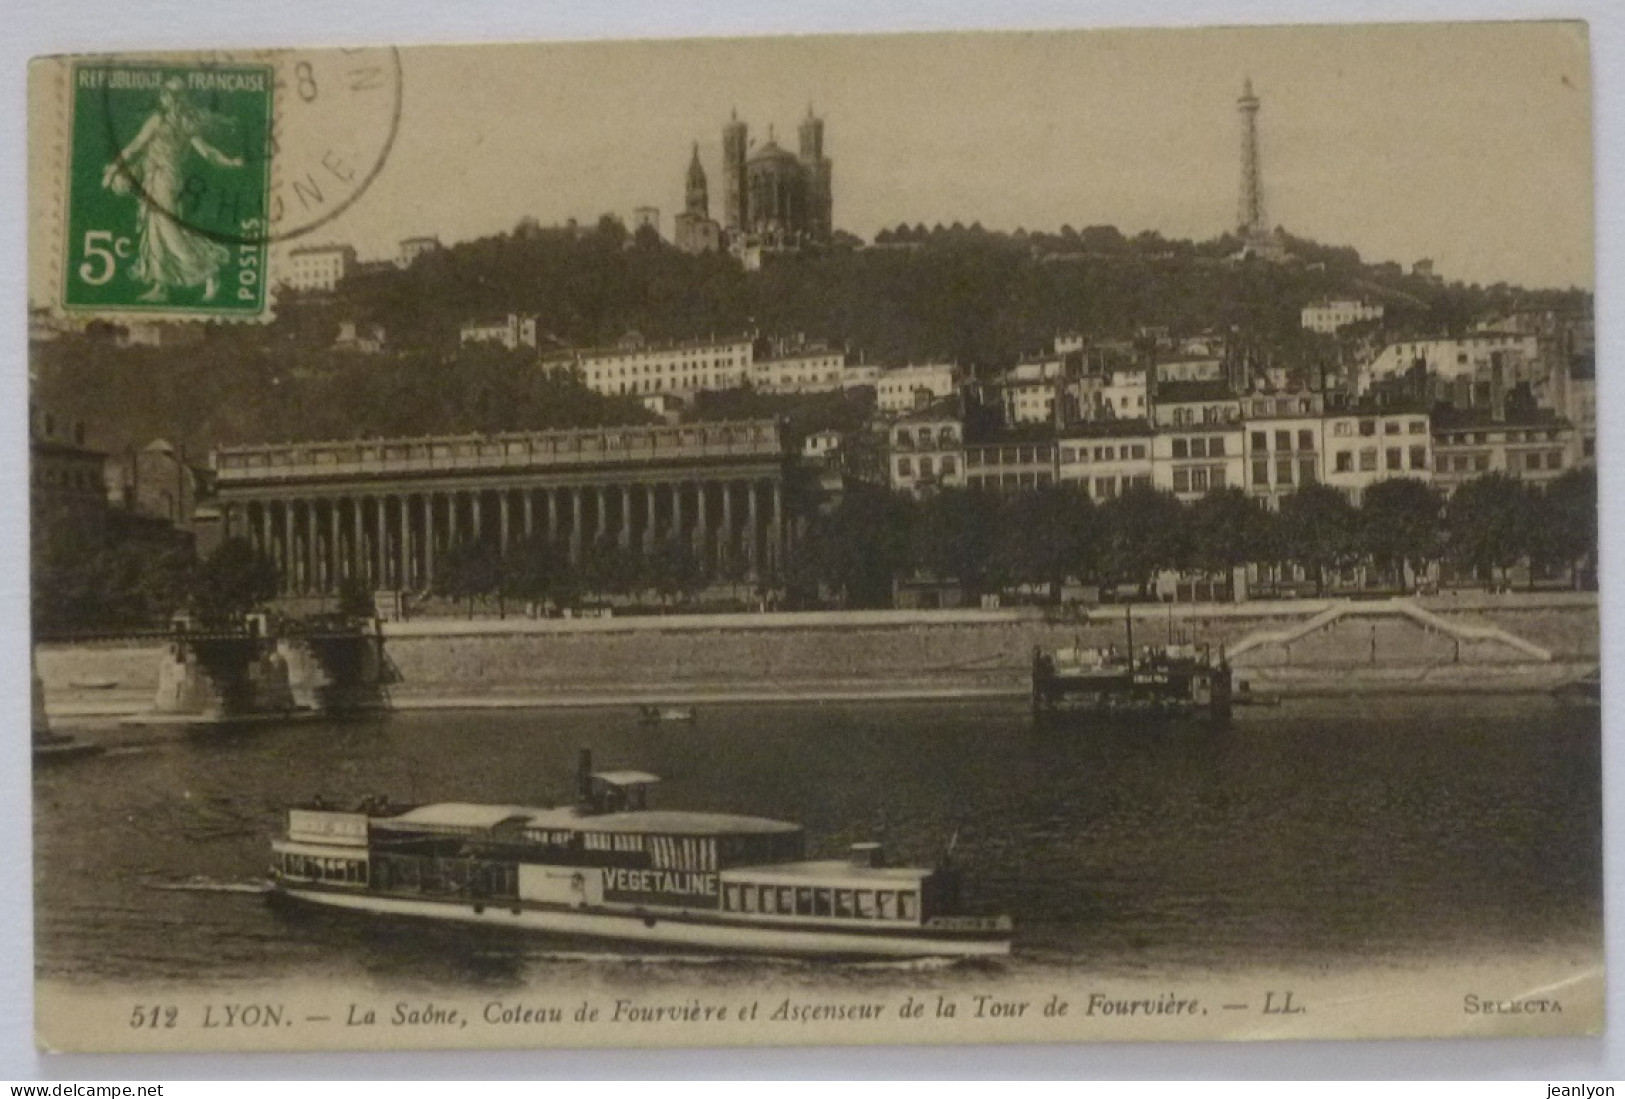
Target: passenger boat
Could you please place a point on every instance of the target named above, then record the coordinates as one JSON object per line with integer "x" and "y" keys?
{"x": 1158, "y": 681}
{"x": 609, "y": 867}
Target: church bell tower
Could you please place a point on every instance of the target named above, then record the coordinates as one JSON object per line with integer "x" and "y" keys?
{"x": 698, "y": 199}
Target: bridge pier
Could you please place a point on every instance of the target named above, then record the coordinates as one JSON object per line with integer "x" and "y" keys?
{"x": 230, "y": 675}
{"x": 223, "y": 678}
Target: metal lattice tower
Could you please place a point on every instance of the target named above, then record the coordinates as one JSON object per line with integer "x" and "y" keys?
{"x": 1250, "y": 218}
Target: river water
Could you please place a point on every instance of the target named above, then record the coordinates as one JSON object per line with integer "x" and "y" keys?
{"x": 1320, "y": 833}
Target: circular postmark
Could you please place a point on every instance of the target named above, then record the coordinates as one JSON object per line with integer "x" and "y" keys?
{"x": 251, "y": 148}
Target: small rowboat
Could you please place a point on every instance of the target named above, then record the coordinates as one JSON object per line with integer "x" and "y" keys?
{"x": 650, "y": 715}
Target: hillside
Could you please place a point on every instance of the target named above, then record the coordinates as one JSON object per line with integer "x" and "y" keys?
{"x": 959, "y": 294}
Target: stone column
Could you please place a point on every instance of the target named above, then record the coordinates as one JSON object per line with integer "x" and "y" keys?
{"x": 265, "y": 530}
{"x": 227, "y": 514}
{"x": 601, "y": 527}
{"x": 428, "y": 538}
{"x": 725, "y": 544}
{"x": 649, "y": 516}
{"x": 530, "y": 514}
{"x": 676, "y": 510}
{"x": 330, "y": 558}
{"x": 406, "y": 541}
{"x": 575, "y": 525}
{"x": 290, "y": 559}
{"x": 752, "y": 545}
{"x": 474, "y": 503}
{"x": 381, "y": 550}
{"x": 358, "y": 541}
{"x": 302, "y": 538}
{"x": 775, "y": 546}
{"x": 451, "y": 519}
{"x": 553, "y": 513}
{"x": 701, "y": 535}
{"x": 502, "y": 521}
{"x": 313, "y": 550}
{"x": 626, "y": 518}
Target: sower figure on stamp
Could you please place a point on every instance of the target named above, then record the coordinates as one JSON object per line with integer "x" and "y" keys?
{"x": 169, "y": 254}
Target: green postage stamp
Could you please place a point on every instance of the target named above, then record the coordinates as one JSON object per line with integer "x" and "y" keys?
{"x": 168, "y": 188}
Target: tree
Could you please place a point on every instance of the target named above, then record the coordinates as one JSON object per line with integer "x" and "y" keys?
{"x": 1569, "y": 527}
{"x": 470, "y": 569}
{"x": 234, "y": 580}
{"x": 673, "y": 569}
{"x": 864, "y": 545}
{"x": 608, "y": 568}
{"x": 1226, "y": 531}
{"x": 538, "y": 570}
{"x": 355, "y": 601}
{"x": 1400, "y": 525}
{"x": 1047, "y": 535}
{"x": 647, "y": 237}
{"x": 957, "y": 538}
{"x": 1490, "y": 523}
{"x": 1142, "y": 532}
{"x": 1317, "y": 528}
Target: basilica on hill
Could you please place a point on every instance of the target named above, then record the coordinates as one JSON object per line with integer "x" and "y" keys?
{"x": 772, "y": 199}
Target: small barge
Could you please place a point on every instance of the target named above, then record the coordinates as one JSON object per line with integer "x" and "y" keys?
{"x": 1157, "y": 681}
{"x": 609, "y": 867}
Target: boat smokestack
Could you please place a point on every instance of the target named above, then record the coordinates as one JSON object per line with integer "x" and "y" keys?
{"x": 584, "y": 776}
{"x": 867, "y": 854}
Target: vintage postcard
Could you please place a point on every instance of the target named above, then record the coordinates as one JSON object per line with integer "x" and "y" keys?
{"x": 955, "y": 538}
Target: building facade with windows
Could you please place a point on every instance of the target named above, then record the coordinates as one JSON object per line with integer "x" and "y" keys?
{"x": 514, "y": 331}
{"x": 414, "y": 248}
{"x": 906, "y": 387}
{"x": 1282, "y": 443}
{"x": 635, "y": 367}
{"x": 319, "y": 268}
{"x": 927, "y": 451}
{"x": 1361, "y": 448}
{"x": 1012, "y": 461}
{"x": 1122, "y": 395}
{"x": 1470, "y": 443}
{"x": 1194, "y": 460}
{"x": 1105, "y": 459}
{"x": 1328, "y": 316}
{"x": 1197, "y": 446}
{"x": 1190, "y": 368}
{"x": 1029, "y": 402}
{"x": 804, "y": 370}
{"x": 1469, "y": 356}
{"x": 1180, "y": 405}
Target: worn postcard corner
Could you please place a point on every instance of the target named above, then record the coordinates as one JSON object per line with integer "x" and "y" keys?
{"x": 816, "y": 541}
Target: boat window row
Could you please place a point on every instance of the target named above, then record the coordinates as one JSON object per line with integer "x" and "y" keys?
{"x": 803, "y": 900}
{"x": 549, "y": 837}
{"x": 664, "y": 852}
{"x": 322, "y": 868}
{"x": 749, "y": 849}
{"x": 460, "y": 877}
{"x": 682, "y": 853}
{"x": 612, "y": 841}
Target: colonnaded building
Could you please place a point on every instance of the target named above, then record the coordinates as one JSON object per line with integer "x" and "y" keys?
{"x": 386, "y": 510}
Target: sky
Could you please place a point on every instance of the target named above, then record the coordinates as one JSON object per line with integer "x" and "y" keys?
{"x": 1470, "y": 144}
{"x": 1466, "y": 143}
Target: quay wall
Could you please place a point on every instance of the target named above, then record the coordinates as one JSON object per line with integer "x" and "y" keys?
{"x": 520, "y": 661}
